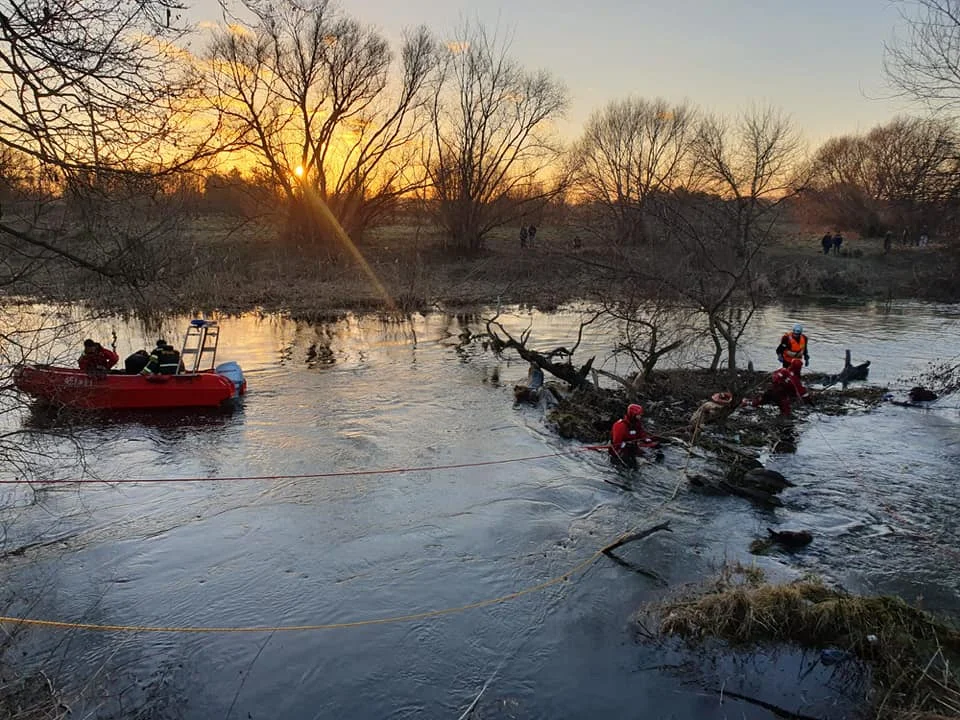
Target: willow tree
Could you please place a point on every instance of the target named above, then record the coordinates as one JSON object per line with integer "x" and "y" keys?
{"x": 632, "y": 152}
{"x": 494, "y": 153}
{"x": 326, "y": 107}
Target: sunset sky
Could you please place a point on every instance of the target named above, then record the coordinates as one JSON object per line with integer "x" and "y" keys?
{"x": 819, "y": 60}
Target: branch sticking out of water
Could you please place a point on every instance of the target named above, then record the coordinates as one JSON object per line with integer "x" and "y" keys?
{"x": 636, "y": 536}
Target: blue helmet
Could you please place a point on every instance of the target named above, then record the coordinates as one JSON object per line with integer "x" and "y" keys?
{"x": 798, "y": 328}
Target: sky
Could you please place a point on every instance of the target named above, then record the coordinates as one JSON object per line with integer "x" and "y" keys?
{"x": 821, "y": 61}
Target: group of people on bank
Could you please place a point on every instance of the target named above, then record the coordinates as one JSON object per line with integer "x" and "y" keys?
{"x": 163, "y": 360}
{"x": 629, "y": 440}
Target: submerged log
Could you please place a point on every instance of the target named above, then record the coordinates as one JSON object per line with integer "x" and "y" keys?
{"x": 921, "y": 394}
{"x": 850, "y": 372}
{"x": 791, "y": 538}
{"x": 765, "y": 480}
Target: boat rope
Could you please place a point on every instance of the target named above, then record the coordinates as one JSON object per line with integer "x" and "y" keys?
{"x": 308, "y": 476}
{"x": 576, "y": 570}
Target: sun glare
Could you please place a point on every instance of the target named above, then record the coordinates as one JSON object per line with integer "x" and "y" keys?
{"x": 298, "y": 171}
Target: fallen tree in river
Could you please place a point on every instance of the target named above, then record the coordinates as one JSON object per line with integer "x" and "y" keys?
{"x": 549, "y": 361}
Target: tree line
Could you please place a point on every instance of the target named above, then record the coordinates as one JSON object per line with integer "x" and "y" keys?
{"x": 318, "y": 107}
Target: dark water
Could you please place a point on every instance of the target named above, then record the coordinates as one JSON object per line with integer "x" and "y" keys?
{"x": 877, "y": 489}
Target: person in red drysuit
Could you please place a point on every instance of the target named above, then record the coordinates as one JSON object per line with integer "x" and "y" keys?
{"x": 627, "y": 437}
{"x": 785, "y": 387}
{"x": 96, "y": 358}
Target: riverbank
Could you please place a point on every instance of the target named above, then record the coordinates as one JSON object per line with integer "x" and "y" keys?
{"x": 220, "y": 265}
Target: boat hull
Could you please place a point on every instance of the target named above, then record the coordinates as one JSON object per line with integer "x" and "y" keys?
{"x": 116, "y": 391}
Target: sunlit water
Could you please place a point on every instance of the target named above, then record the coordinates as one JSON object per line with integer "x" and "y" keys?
{"x": 877, "y": 489}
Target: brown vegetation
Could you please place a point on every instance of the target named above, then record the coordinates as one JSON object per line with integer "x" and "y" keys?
{"x": 913, "y": 656}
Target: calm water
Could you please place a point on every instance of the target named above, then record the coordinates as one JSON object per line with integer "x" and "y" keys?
{"x": 877, "y": 489}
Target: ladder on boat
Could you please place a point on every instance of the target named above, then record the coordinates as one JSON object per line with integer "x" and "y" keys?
{"x": 199, "y": 351}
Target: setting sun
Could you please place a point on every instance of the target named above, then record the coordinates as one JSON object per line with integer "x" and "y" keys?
{"x": 298, "y": 171}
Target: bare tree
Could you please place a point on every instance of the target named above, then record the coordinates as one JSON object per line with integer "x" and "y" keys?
{"x": 650, "y": 324}
{"x": 325, "y": 107}
{"x": 632, "y": 151}
{"x": 748, "y": 168}
{"x": 95, "y": 100}
{"x": 904, "y": 172}
{"x": 493, "y": 146}
{"x": 925, "y": 63}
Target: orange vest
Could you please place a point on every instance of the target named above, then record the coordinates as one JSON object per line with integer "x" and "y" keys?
{"x": 794, "y": 347}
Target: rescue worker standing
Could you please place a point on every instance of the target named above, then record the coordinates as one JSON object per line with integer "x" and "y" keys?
{"x": 96, "y": 358}
{"x": 793, "y": 345}
{"x": 785, "y": 387}
{"x": 627, "y": 436}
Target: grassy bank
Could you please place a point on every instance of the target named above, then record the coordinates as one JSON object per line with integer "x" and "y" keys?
{"x": 223, "y": 264}
{"x": 912, "y": 655}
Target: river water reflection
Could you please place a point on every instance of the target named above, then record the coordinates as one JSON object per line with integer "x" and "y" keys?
{"x": 348, "y": 548}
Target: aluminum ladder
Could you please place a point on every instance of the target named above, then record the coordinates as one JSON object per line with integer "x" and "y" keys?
{"x": 199, "y": 345}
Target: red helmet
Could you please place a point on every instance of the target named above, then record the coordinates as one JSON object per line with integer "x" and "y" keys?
{"x": 634, "y": 410}
{"x": 796, "y": 364}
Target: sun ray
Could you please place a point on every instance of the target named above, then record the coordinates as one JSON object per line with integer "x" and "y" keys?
{"x": 317, "y": 203}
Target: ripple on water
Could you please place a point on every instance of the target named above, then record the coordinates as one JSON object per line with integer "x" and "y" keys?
{"x": 876, "y": 489}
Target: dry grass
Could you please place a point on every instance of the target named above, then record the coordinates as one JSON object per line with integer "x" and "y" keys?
{"x": 913, "y": 656}
{"x": 29, "y": 698}
{"x": 235, "y": 264}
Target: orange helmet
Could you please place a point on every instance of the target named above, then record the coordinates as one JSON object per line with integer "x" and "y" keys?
{"x": 634, "y": 410}
{"x": 796, "y": 364}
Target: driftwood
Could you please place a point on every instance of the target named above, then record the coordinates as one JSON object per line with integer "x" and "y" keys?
{"x": 632, "y": 537}
{"x": 576, "y": 377}
{"x": 850, "y": 372}
{"x": 775, "y": 709}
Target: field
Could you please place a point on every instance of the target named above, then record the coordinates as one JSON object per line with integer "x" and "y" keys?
{"x": 224, "y": 264}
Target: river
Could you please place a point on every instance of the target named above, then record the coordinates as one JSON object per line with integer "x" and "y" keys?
{"x": 877, "y": 489}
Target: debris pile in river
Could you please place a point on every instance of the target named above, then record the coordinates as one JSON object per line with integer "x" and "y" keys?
{"x": 914, "y": 658}
{"x": 734, "y": 440}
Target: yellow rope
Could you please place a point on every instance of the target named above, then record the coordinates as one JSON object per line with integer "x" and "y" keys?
{"x": 427, "y": 614}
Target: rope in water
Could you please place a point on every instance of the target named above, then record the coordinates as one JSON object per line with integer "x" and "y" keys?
{"x": 577, "y": 569}
{"x": 307, "y": 476}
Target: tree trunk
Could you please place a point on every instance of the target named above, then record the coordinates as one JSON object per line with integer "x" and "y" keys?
{"x": 717, "y": 346}
{"x": 731, "y": 354}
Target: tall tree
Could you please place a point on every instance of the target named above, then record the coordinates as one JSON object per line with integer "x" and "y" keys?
{"x": 93, "y": 102}
{"x": 631, "y": 152}
{"x": 747, "y": 169}
{"x": 904, "y": 172}
{"x": 325, "y": 107}
{"x": 494, "y": 154}
{"x": 924, "y": 62}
